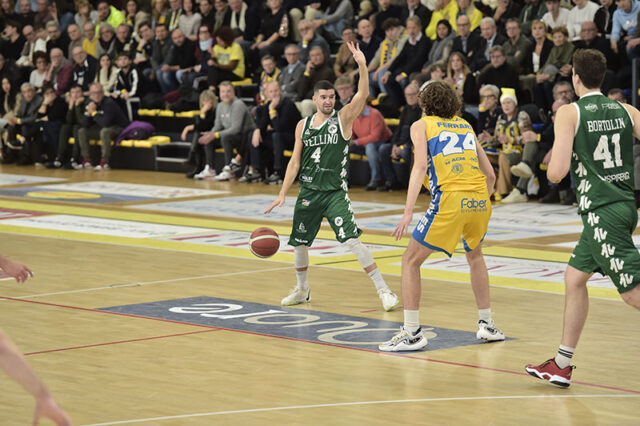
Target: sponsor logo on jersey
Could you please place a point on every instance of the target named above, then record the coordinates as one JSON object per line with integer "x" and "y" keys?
{"x": 611, "y": 106}
{"x": 591, "y": 107}
{"x": 332, "y": 128}
{"x": 306, "y": 202}
{"x": 305, "y": 178}
{"x": 302, "y": 228}
{"x": 456, "y": 169}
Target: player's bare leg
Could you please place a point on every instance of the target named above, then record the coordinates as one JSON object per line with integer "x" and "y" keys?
{"x": 632, "y": 297}
{"x": 480, "y": 285}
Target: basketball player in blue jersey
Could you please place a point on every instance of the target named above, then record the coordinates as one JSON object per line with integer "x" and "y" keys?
{"x": 321, "y": 154}
{"x": 461, "y": 180}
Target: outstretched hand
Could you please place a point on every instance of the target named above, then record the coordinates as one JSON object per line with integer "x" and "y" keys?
{"x": 17, "y": 270}
{"x": 46, "y": 407}
{"x": 277, "y": 203}
{"x": 403, "y": 226}
{"x": 358, "y": 56}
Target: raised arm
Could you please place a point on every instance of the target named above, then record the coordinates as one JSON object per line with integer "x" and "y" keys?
{"x": 353, "y": 109}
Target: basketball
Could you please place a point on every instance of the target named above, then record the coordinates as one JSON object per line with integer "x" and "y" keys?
{"x": 264, "y": 242}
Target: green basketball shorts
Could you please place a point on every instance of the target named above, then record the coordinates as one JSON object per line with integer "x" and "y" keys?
{"x": 312, "y": 206}
{"x": 606, "y": 246}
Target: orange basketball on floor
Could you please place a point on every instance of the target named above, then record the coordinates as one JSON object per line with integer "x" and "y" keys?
{"x": 264, "y": 242}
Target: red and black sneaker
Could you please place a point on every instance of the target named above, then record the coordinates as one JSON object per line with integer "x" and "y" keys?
{"x": 550, "y": 371}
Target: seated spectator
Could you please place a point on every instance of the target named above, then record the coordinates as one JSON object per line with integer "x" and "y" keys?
{"x": 25, "y": 15}
{"x": 435, "y": 72}
{"x": 390, "y": 47}
{"x": 103, "y": 120}
{"x": 274, "y": 31}
{"x": 108, "y": 14}
{"x": 84, "y": 14}
{"x": 466, "y": 41}
{"x": 181, "y": 59}
{"x": 460, "y": 77}
{"x": 345, "y": 90}
{"x": 556, "y": 16}
{"x": 43, "y": 14}
{"x": 344, "y": 63}
{"x": 465, "y": 8}
{"x": 60, "y": 71}
{"x": 499, "y": 72}
{"x": 546, "y": 143}
{"x": 51, "y": 115}
{"x": 204, "y": 167}
{"x": 316, "y": 70}
{"x": 222, "y": 15}
{"x": 625, "y": 21}
{"x": 399, "y": 150}
{"x": 13, "y": 42}
{"x": 127, "y": 82}
{"x": 506, "y": 10}
{"x": 291, "y": 74}
{"x": 173, "y": 15}
{"x": 533, "y": 10}
{"x": 518, "y": 147}
{"x": 584, "y": 10}
{"x": 161, "y": 49}
{"x": 244, "y": 22}
{"x": 409, "y": 60}
{"x": 368, "y": 41}
{"x": 10, "y": 99}
{"x": 134, "y": 17}
{"x": 604, "y": 16}
{"x": 310, "y": 38}
{"x": 443, "y": 9}
{"x": 617, "y": 95}
{"x": 441, "y": 47}
{"x": 337, "y": 16}
{"x": 370, "y": 132}
{"x": 386, "y": 10}
{"x": 558, "y": 65}
{"x": 75, "y": 39}
{"x": 190, "y": 20}
{"x": 124, "y": 42}
{"x": 107, "y": 74}
{"x": 106, "y": 42}
{"x": 90, "y": 41}
{"x": 160, "y": 12}
{"x": 25, "y": 137}
{"x": 73, "y": 117}
{"x": 8, "y": 10}
{"x": 227, "y": 61}
{"x": 490, "y": 38}
{"x": 517, "y": 48}
{"x": 144, "y": 49}
{"x": 415, "y": 8}
{"x": 56, "y": 38}
{"x": 489, "y": 111}
{"x": 33, "y": 44}
{"x": 85, "y": 68}
{"x": 39, "y": 74}
{"x": 589, "y": 39}
{"x": 276, "y": 123}
{"x": 232, "y": 129}
{"x": 270, "y": 72}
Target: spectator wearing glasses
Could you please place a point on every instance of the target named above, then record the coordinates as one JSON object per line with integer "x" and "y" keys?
{"x": 291, "y": 74}
{"x": 466, "y": 42}
{"x": 499, "y": 72}
{"x": 345, "y": 90}
{"x": 487, "y": 117}
{"x": 33, "y": 44}
{"x": 85, "y": 68}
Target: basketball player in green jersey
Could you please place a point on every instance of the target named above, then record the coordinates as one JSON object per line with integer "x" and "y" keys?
{"x": 320, "y": 154}
{"x": 594, "y": 139}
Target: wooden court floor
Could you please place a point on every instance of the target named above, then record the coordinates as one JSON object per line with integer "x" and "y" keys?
{"x": 152, "y": 358}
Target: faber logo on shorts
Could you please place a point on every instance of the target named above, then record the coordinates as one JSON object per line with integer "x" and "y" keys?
{"x": 473, "y": 205}
{"x": 290, "y": 323}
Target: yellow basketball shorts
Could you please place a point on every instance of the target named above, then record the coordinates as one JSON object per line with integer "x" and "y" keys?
{"x": 452, "y": 215}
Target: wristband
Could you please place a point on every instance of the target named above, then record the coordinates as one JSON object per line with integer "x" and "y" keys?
{"x": 538, "y": 138}
{"x": 404, "y": 74}
{"x": 93, "y": 114}
{"x": 306, "y": 74}
{"x": 19, "y": 120}
{"x": 217, "y": 135}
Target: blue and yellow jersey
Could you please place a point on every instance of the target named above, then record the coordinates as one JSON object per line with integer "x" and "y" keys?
{"x": 452, "y": 163}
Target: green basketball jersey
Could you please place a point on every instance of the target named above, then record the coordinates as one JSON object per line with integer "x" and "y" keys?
{"x": 602, "y": 159}
{"x": 324, "y": 155}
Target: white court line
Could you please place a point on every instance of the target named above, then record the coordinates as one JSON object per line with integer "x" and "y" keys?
{"x": 345, "y": 404}
{"x": 228, "y": 274}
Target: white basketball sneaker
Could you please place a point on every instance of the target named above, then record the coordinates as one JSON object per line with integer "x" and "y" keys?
{"x": 489, "y": 332}
{"x": 297, "y": 296}
{"x": 388, "y": 298}
{"x": 405, "y": 341}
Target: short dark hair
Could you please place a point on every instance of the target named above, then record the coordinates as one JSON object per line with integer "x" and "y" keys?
{"x": 391, "y": 23}
{"x": 323, "y": 85}
{"x": 40, "y": 55}
{"x": 13, "y": 23}
{"x": 590, "y": 65}
{"x": 47, "y": 86}
{"x": 144, "y": 24}
{"x": 438, "y": 98}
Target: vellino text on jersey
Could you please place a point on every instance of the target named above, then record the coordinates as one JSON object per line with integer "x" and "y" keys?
{"x": 323, "y": 139}
{"x": 605, "y": 125}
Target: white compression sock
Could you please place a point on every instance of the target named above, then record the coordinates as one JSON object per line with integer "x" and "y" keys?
{"x": 411, "y": 320}
{"x": 377, "y": 279}
{"x": 485, "y": 315}
{"x": 301, "y": 260}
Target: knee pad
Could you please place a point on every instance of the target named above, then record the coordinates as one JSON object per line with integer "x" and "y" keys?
{"x": 362, "y": 253}
{"x": 301, "y": 256}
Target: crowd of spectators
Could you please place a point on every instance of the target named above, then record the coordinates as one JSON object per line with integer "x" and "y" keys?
{"x": 74, "y": 69}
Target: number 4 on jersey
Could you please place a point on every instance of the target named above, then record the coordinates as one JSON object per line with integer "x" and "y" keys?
{"x": 316, "y": 155}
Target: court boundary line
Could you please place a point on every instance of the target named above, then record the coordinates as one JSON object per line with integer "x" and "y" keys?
{"x": 357, "y": 403}
{"x": 255, "y": 333}
{"x": 119, "y": 342}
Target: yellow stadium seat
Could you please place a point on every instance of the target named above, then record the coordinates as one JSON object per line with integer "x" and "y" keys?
{"x": 392, "y": 121}
{"x": 245, "y": 82}
{"x": 187, "y": 114}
